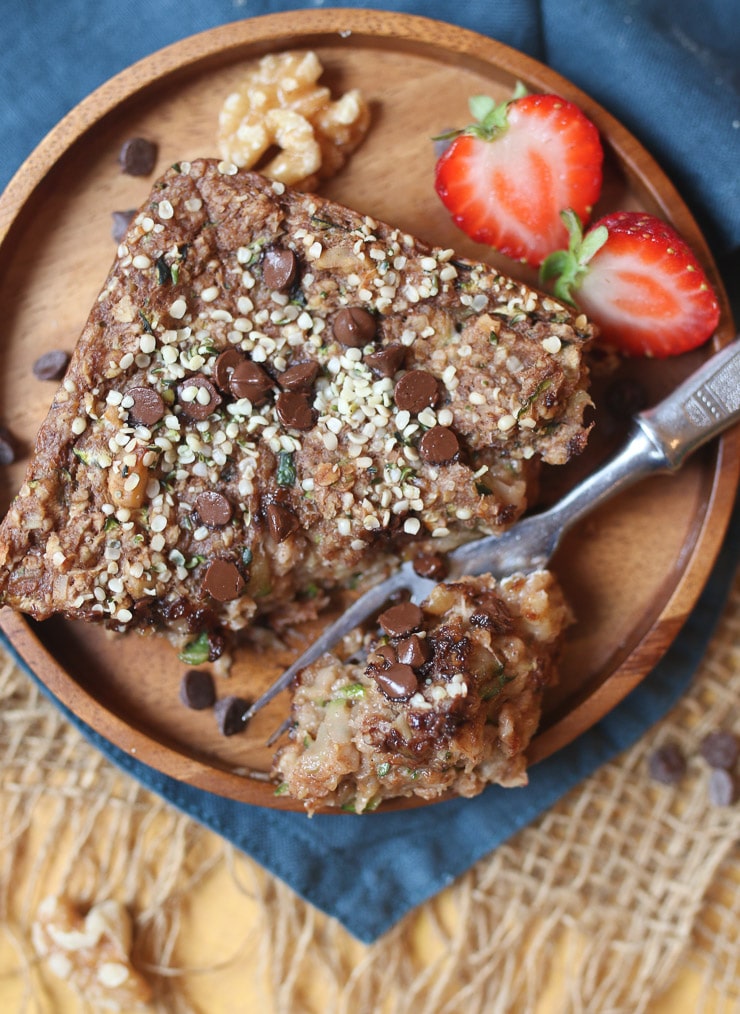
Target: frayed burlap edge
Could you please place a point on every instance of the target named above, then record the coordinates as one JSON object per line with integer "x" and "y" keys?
{"x": 623, "y": 883}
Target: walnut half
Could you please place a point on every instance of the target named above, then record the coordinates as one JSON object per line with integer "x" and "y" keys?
{"x": 91, "y": 952}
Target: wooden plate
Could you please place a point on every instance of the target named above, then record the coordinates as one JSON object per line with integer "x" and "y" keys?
{"x": 632, "y": 572}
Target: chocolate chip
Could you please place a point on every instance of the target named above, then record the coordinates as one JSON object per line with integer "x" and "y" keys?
{"x": 667, "y": 764}
{"x": 148, "y": 407}
{"x": 720, "y": 749}
{"x": 625, "y": 397}
{"x": 279, "y": 268}
{"x": 213, "y": 508}
{"x": 281, "y": 521}
{"x": 230, "y": 714}
{"x": 137, "y": 156}
{"x": 386, "y": 654}
{"x": 401, "y": 620}
{"x": 7, "y": 447}
{"x": 722, "y": 787}
{"x": 414, "y": 651}
{"x": 223, "y": 581}
{"x": 387, "y": 361}
{"x": 355, "y": 327}
{"x": 249, "y": 380}
{"x": 224, "y": 366}
{"x": 431, "y": 566}
{"x": 197, "y": 690}
{"x": 439, "y": 445}
{"x": 415, "y": 391}
{"x": 51, "y": 365}
{"x": 197, "y": 407}
{"x": 397, "y": 682}
{"x": 300, "y": 377}
{"x": 294, "y": 410}
{"x": 120, "y": 224}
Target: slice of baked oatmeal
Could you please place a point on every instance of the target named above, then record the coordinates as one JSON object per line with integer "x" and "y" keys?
{"x": 445, "y": 701}
{"x": 273, "y": 393}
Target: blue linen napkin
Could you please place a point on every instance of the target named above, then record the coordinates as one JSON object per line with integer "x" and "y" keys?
{"x": 670, "y": 72}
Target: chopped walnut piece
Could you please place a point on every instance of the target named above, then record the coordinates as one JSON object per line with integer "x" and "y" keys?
{"x": 127, "y": 481}
{"x": 279, "y": 104}
{"x": 91, "y": 952}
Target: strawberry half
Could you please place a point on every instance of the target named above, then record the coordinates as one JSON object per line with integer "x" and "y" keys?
{"x": 506, "y": 178}
{"x": 635, "y": 277}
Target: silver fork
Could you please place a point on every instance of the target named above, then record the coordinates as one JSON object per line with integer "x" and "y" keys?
{"x": 661, "y": 438}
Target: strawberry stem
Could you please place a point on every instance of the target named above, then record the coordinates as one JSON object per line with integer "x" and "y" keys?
{"x": 490, "y": 117}
{"x": 568, "y": 267}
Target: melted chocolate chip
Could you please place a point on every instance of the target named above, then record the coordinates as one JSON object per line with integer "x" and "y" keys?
{"x": 279, "y": 268}
{"x": 300, "y": 377}
{"x": 397, "y": 682}
{"x": 281, "y": 521}
{"x": 491, "y": 613}
{"x": 439, "y": 445}
{"x": 294, "y": 410}
{"x": 148, "y": 407}
{"x": 431, "y": 566}
{"x": 197, "y": 407}
{"x": 720, "y": 749}
{"x": 401, "y": 620}
{"x": 120, "y": 221}
{"x": 223, "y": 581}
{"x": 354, "y": 327}
{"x": 224, "y": 366}
{"x": 386, "y": 362}
{"x": 197, "y": 690}
{"x": 137, "y": 156}
{"x": 414, "y": 651}
{"x": 213, "y": 508}
{"x": 230, "y": 714}
{"x": 415, "y": 391}
{"x": 249, "y": 380}
{"x": 51, "y": 365}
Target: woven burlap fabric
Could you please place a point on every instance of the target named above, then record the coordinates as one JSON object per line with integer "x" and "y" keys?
{"x": 622, "y": 884}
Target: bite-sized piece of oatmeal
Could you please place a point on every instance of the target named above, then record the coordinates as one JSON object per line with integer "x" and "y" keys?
{"x": 272, "y": 394}
{"x": 446, "y": 701}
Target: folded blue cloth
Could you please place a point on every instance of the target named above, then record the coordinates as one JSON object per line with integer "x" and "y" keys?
{"x": 670, "y": 73}
{"x": 668, "y": 70}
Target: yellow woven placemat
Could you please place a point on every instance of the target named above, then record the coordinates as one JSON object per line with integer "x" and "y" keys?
{"x": 619, "y": 886}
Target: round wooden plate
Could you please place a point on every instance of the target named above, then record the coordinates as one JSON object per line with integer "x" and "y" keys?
{"x": 632, "y": 572}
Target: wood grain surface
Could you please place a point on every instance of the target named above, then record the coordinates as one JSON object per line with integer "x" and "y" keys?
{"x": 632, "y": 571}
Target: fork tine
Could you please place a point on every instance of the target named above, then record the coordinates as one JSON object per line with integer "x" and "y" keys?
{"x": 360, "y": 610}
{"x": 275, "y": 736}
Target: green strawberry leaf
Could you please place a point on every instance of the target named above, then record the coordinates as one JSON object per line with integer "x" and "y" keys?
{"x": 568, "y": 267}
{"x": 593, "y": 241}
{"x": 481, "y": 106}
{"x": 489, "y": 116}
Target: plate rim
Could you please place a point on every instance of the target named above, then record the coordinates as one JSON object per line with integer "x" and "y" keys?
{"x": 302, "y": 28}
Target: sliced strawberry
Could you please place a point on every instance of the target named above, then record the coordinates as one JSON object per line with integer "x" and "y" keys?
{"x": 635, "y": 277}
{"x": 507, "y": 177}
